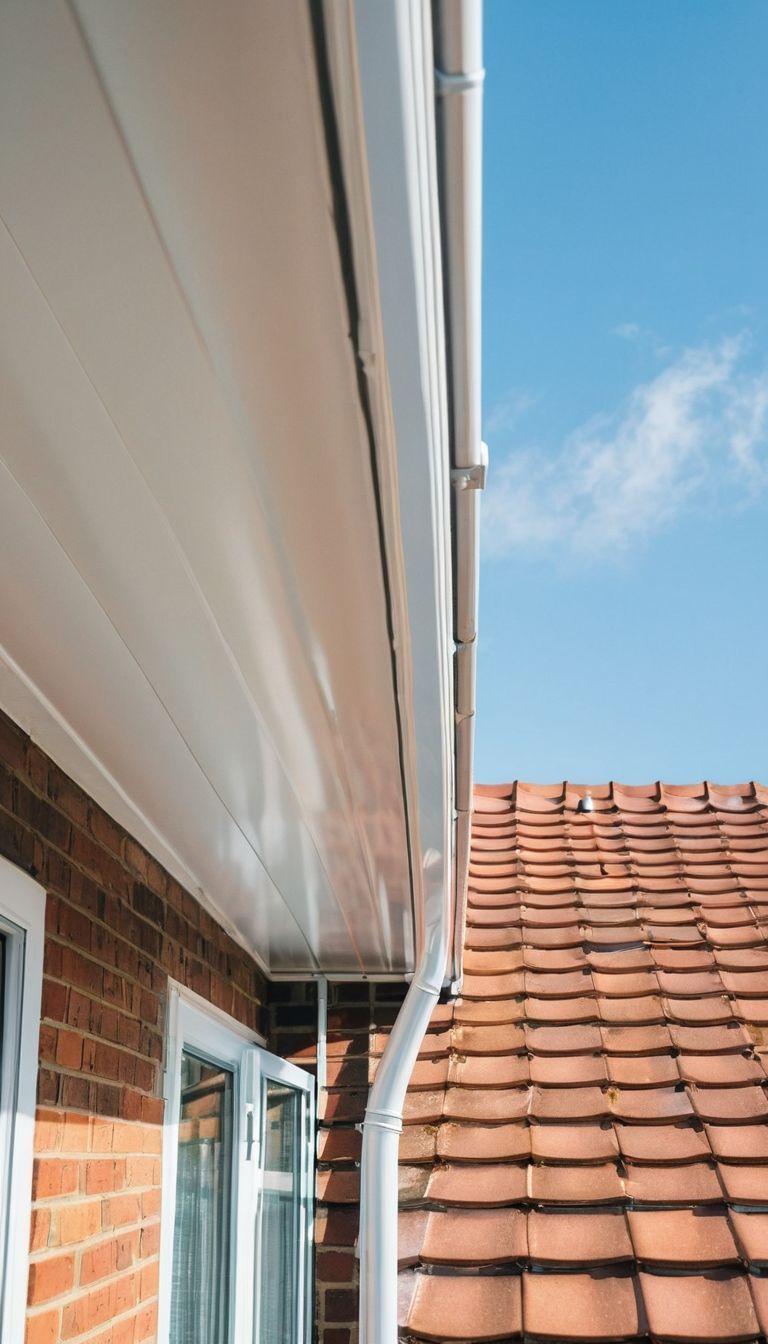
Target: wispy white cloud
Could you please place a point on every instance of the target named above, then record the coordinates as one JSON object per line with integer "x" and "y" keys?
{"x": 628, "y": 331}
{"x": 642, "y": 337}
{"x": 700, "y": 426}
{"x": 506, "y": 414}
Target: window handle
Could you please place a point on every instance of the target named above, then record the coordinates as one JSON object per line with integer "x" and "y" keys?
{"x": 250, "y": 1138}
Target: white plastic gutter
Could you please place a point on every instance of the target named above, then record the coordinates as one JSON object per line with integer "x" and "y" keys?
{"x": 457, "y": 36}
{"x": 459, "y": 84}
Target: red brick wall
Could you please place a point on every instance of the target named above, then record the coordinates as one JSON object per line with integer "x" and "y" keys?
{"x": 359, "y": 1017}
{"x": 117, "y": 926}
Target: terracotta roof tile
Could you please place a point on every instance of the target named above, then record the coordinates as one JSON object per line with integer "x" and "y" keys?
{"x": 751, "y": 1233}
{"x": 716, "y": 1305}
{"x": 559, "y": 984}
{"x": 622, "y": 1012}
{"x": 571, "y": 1070}
{"x": 489, "y": 1012}
{"x": 685, "y": 984}
{"x": 493, "y": 961}
{"x": 734, "y": 1105}
{"x": 746, "y": 984}
{"x": 745, "y": 958}
{"x": 614, "y": 961}
{"x": 705, "y": 1012}
{"x": 636, "y": 1040}
{"x": 710, "y": 1040}
{"x": 418, "y": 1143}
{"x": 493, "y": 936}
{"x": 476, "y": 1307}
{"x": 488, "y": 1071}
{"x": 745, "y": 1185}
{"x": 411, "y": 1227}
{"x": 585, "y": 1238}
{"x": 483, "y": 1143}
{"x": 497, "y": 1040}
{"x": 643, "y": 1070}
{"x": 630, "y": 984}
{"x": 600, "y": 1305}
{"x": 429, "y": 1073}
{"x": 593, "y": 1163}
{"x": 696, "y": 1183}
{"x": 657, "y": 1144}
{"x": 650, "y": 1105}
{"x": 740, "y": 1143}
{"x": 590, "y": 1185}
{"x": 758, "y": 1287}
{"x": 495, "y": 917}
{"x": 720, "y": 1070}
{"x": 412, "y": 1184}
{"x": 568, "y": 1103}
{"x": 421, "y": 1107}
{"x": 561, "y": 1010}
{"x": 486, "y": 1104}
{"x": 550, "y": 961}
{"x": 480, "y": 1186}
{"x": 475, "y": 1237}
{"x": 566, "y": 1040}
{"x": 573, "y": 1143}
{"x": 683, "y": 958}
{"x": 492, "y": 986}
{"x": 558, "y": 938}
{"x": 753, "y": 1012}
{"x": 682, "y": 1237}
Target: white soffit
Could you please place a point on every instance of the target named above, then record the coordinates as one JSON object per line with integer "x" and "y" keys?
{"x": 192, "y": 609}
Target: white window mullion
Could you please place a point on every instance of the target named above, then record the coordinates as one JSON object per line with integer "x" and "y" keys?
{"x": 248, "y": 1179}
{"x": 22, "y": 923}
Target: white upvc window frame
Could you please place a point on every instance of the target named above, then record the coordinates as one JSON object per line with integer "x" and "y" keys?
{"x": 22, "y": 926}
{"x": 198, "y": 1026}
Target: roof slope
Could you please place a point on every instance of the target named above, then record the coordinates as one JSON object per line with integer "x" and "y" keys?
{"x": 586, "y": 1149}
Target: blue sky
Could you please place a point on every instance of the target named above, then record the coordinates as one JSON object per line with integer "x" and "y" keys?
{"x": 624, "y": 623}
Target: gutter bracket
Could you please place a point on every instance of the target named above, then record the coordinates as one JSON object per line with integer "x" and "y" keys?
{"x": 461, "y": 82}
{"x": 469, "y": 478}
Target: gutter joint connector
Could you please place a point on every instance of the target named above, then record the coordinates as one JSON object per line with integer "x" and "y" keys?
{"x": 461, "y": 82}
{"x": 389, "y": 1120}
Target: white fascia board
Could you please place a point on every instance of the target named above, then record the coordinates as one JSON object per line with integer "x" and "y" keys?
{"x": 381, "y": 64}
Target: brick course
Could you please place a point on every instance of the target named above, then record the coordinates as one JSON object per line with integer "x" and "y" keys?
{"x": 117, "y": 926}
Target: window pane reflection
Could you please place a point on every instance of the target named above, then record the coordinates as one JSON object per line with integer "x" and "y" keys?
{"x": 280, "y": 1215}
{"x": 201, "y": 1249}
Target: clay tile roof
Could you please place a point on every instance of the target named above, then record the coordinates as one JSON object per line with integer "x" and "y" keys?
{"x": 593, "y": 1162}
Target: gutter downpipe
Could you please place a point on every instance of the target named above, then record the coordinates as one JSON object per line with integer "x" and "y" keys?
{"x": 457, "y": 27}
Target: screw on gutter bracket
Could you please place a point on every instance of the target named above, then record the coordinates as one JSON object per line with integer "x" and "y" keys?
{"x": 469, "y": 478}
{"x": 449, "y": 992}
{"x": 472, "y": 478}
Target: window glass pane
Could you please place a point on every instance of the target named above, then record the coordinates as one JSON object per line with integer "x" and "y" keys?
{"x": 281, "y": 1229}
{"x": 201, "y": 1239}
